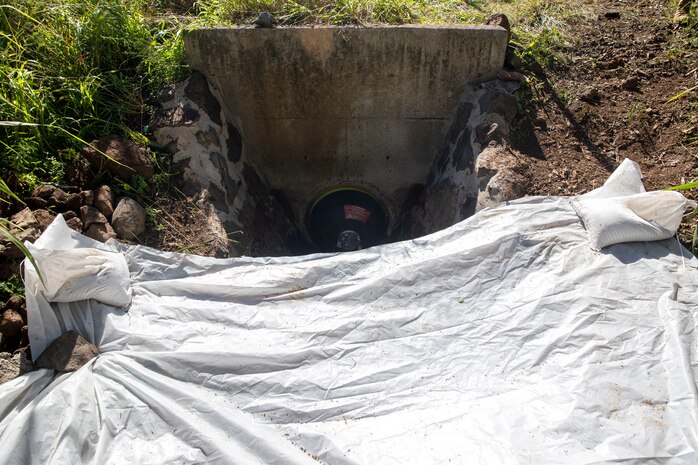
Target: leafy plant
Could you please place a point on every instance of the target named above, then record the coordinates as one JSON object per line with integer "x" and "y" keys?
{"x": 12, "y": 285}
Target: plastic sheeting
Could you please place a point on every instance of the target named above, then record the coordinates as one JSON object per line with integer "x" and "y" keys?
{"x": 504, "y": 339}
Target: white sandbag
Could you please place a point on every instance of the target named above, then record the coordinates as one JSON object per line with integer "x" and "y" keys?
{"x": 625, "y": 180}
{"x": 81, "y": 274}
{"x": 650, "y": 216}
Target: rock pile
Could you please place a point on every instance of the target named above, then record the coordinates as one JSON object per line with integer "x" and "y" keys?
{"x": 14, "y": 339}
{"x": 95, "y": 213}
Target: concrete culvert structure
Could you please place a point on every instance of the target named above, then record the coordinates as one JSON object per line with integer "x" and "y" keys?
{"x": 273, "y": 119}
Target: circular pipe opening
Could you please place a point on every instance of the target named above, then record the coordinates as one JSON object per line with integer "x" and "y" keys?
{"x": 345, "y": 219}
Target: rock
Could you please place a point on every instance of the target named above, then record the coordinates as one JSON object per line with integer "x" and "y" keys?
{"x": 632, "y": 84}
{"x": 88, "y": 197}
{"x": 90, "y": 215}
{"x": 128, "y": 219}
{"x": 25, "y": 228}
{"x": 123, "y": 159}
{"x": 69, "y": 215}
{"x": 500, "y": 20}
{"x": 44, "y": 191}
{"x": 499, "y": 176}
{"x": 506, "y": 75}
{"x": 71, "y": 189}
{"x": 175, "y": 117}
{"x": 75, "y": 224}
{"x": 24, "y": 336}
{"x": 24, "y": 219}
{"x": 614, "y": 63}
{"x": 44, "y": 218}
{"x": 104, "y": 200}
{"x": 11, "y": 324}
{"x": 36, "y": 202}
{"x": 500, "y": 102}
{"x": 492, "y": 128}
{"x": 63, "y": 201}
{"x": 67, "y": 353}
{"x": 101, "y": 232}
{"x": 15, "y": 302}
{"x": 264, "y": 20}
{"x": 590, "y": 95}
{"x": 12, "y": 366}
{"x": 79, "y": 172}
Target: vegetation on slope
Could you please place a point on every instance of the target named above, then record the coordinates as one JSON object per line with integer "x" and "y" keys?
{"x": 75, "y": 70}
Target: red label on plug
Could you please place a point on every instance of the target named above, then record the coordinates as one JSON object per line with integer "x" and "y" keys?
{"x": 356, "y": 213}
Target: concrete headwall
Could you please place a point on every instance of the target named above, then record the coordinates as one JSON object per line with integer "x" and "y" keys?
{"x": 327, "y": 106}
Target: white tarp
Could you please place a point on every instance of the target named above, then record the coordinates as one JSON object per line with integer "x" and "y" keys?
{"x": 504, "y": 339}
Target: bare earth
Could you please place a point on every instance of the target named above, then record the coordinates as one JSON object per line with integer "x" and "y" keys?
{"x": 625, "y": 61}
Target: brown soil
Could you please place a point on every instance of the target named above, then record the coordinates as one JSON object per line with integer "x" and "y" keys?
{"x": 624, "y": 61}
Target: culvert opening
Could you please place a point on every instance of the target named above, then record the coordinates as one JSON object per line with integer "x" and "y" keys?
{"x": 345, "y": 219}
{"x": 272, "y": 120}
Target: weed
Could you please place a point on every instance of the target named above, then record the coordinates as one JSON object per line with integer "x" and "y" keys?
{"x": 152, "y": 218}
{"x": 138, "y": 185}
{"x": 11, "y": 286}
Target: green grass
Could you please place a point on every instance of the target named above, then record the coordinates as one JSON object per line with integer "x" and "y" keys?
{"x": 75, "y": 71}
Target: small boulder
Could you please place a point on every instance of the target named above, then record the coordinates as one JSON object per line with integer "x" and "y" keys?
{"x": 120, "y": 157}
{"x": 36, "y": 202}
{"x": 104, "y": 200}
{"x": 101, "y": 232}
{"x": 15, "y": 302}
{"x": 500, "y": 20}
{"x": 88, "y": 197}
{"x": 264, "y": 20}
{"x": 44, "y": 191}
{"x": 501, "y": 102}
{"x": 632, "y": 84}
{"x": 80, "y": 172}
{"x": 63, "y": 201}
{"x": 70, "y": 214}
{"x": 24, "y": 219}
{"x": 12, "y": 366}
{"x": 128, "y": 219}
{"x": 491, "y": 127}
{"x": 44, "y": 218}
{"x": 75, "y": 224}
{"x": 67, "y": 353}
{"x": 11, "y": 324}
{"x": 25, "y": 228}
{"x": 590, "y": 95}
{"x": 90, "y": 215}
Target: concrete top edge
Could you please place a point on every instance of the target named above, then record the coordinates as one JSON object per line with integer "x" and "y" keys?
{"x": 372, "y": 27}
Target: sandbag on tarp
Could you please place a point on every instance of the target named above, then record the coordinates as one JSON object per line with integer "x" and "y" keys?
{"x": 505, "y": 339}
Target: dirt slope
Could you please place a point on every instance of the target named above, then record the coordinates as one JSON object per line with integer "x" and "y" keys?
{"x": 625, "y": 60}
